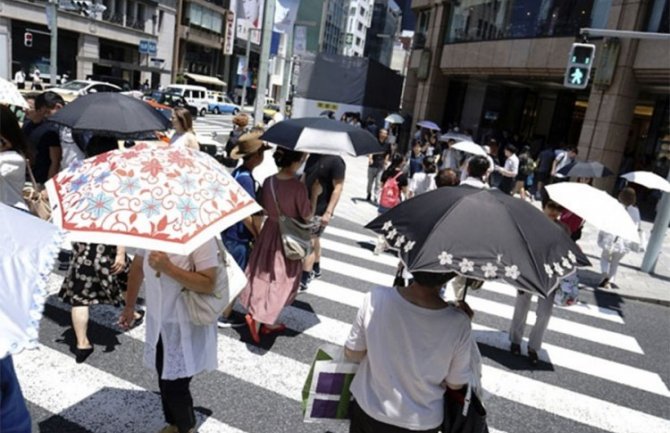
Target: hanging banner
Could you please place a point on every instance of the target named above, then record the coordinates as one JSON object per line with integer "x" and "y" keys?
{"x": 285, "y": 15}
{"x": 249, "y": 17}
{"x": 300, "y": 40}
{"x": 229, "y": 39}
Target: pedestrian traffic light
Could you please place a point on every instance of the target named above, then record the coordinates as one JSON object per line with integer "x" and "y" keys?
{"x": 28, "y": 39}
{"x": 579, "y": 66}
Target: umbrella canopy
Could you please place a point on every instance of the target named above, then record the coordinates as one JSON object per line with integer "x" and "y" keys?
{"x": 157, "y": 198}
{"x": 29, "y": 249}
{"x": 480, "y": 234}
{"x": 585, "y": 169}
{"x": 469, "y": 147}
{"x": 394, "y": 118}
{"x": 322, "y": 136}
{"x": 111, "y": 114}
{"x": 429, "y": 125}
{"x": 10, "y": 95}
{"x": 595, "y": 207}
{"x": 455, "y": 136}
{"x": 648, "y": 179}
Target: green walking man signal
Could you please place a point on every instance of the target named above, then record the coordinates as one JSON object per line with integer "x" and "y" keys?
{"x": 579, "y": 66}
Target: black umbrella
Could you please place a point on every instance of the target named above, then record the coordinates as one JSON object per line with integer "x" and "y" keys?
{"x": 111, "y": 114}
{"x": 585, "y": 169}
{"x": 323, "y": 136}
{"x": 481, "y": 234}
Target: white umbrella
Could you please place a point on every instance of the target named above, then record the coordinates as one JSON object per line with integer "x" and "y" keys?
{"x": 596, "y": 207}
{"x": 455, "y": 136}
{"x": 394, "y": 118}
{"x": 10, "y": 95}
{"x": 648, "y": 179}
{"x": 469, "y": 147}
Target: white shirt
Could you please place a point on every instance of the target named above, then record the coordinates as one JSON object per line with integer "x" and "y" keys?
{"x": 12, "y": 178}
{"x": 183, "y": 140}
{"x": 70, "y": 151}
{"x": 474, "y": 182}
{"x": 562, "y": 160}
{"x": 188, "y": 349}
{"x": 20, "y": 77}
{"x": 410, "y": 351}
{"x": 422, "y": 182}
{"x": 512, "y": 165}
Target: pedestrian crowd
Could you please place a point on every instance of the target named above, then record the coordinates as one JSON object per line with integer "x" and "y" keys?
{"x": 392, "y": 393}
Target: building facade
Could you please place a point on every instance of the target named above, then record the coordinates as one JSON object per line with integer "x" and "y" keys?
{"x": 325, "y": 22}
{"x": 359, "y": 17}
{"x": 383, "y": 32}
{"x": 497, "y": 67}
{"x": 104, "y": 47}
{"x": 199, "y": 43}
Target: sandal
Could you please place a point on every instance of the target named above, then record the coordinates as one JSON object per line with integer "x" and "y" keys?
{"x": 253, "y": 330}
{"x": 266, "y": 330}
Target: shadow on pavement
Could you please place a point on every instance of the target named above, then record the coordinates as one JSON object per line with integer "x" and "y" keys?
{"x": 512, "y": 362}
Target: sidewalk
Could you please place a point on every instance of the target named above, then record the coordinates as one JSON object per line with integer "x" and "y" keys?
{"x": 632, "y": 283}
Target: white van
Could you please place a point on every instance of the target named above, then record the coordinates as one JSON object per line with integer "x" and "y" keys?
{"x": 194, "y": 95}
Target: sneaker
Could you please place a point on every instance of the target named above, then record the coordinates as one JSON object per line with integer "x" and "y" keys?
{"x": 316, "y": 273}
{"x": 515, "y": 349}
{"x": 230, "y": 322}
{"x": 532, "y": 357}
{"x": 303, "y": 286}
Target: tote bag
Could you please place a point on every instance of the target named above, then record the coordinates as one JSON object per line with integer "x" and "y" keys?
{"x": 205, "y": 309}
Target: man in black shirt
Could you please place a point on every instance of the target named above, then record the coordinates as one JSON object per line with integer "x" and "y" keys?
{"x": 44, "y": 137}
{"x": 324, "y": 173}
{"x": 376, "y": 165}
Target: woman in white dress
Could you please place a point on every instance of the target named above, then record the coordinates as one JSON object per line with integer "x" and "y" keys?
{"x": 176, "y": 347}
{"x": 183, "y": 136}
{"x": 614, "y": 247}
{"x": 12, "y": 160}
{"x": 423, "y": 181}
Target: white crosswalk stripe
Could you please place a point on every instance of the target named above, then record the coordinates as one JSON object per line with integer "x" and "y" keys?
{"x": 111, "y": 392}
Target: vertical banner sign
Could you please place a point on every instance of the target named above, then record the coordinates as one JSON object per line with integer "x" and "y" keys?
{"x": 300, "y": 40}
{"x": 249, "y": 16}
{"x": 285, "y": 15}
{"x": 229, "y": 40}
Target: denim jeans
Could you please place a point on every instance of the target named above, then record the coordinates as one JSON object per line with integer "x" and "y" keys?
{"x": 14, "y": 416}
{"x": 239, "y": 250}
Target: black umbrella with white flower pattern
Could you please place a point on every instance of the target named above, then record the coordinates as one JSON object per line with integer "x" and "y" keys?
{"x": 481, "y": 234}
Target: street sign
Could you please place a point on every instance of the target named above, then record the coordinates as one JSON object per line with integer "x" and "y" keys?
{"x": 229, "y": 38}
{"x": 579, "y": 66}
{"x": 147, "y": 47}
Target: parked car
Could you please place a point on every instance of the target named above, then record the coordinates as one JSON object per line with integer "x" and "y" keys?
{"x": 165, "y": 102}
{"x": 72, "y": 89}
{"x": 223, "y": 104}
{"x": 269, "y": 111}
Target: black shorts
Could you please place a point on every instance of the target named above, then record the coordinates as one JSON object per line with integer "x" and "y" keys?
{"x": 542, "y": 176}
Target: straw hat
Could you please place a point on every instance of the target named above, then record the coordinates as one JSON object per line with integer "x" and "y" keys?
{"x": 248, "y": 144}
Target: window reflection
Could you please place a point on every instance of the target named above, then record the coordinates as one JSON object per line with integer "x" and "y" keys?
{"x": 476, "y": 20}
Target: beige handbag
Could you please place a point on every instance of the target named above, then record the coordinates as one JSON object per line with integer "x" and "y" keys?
{"x": 205, "y": 309}
{"x": 296, "y": 236}
{"x": 37, "y": 203}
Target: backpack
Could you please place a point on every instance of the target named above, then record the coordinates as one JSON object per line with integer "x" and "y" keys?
{"x": 390, "y": 194}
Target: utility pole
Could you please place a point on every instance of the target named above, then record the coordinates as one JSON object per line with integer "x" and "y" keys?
{"x": 288, "y": 68}
{"x": 266, "y": 40}
{"x": 52, "y": 14}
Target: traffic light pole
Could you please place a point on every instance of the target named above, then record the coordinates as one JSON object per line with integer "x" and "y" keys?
{"x": 655, "y": 244}
{"x": 264, "y": 62}
{"x": 52, "y": 7}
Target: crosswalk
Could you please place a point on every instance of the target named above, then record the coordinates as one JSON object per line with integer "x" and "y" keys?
{"x": 213, "y": 124}
{"x": 594, "y": 376}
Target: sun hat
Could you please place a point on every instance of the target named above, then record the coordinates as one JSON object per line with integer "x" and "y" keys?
{"x": 248, "y": 144}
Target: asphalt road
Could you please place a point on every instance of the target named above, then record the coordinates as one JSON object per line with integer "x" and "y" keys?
{"x": 605, "y": 362}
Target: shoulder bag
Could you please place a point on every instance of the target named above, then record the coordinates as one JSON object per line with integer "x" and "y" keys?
{"x": 296, "y": 239}
{"x": 205, "y": 309}
{"x": 37, "y": 203}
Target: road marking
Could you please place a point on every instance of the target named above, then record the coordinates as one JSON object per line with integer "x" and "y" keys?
{"x": 563, "y": 326}
{"x": 566, "y": 358}
{"x": 272, "y": 371}
{"x": 92, "y": 398}
{"x": 357, "y": 272}
{"x": 361, "y": 253}
{"x": 348, "y": 234}
{"x": 581, "y": 308}
{"x": 571, "y": 405}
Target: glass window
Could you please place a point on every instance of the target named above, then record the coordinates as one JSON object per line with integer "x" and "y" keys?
{"x": 195, "y": 15}
{"x": 509, "y": 19}
{"x": 658, "y": 17}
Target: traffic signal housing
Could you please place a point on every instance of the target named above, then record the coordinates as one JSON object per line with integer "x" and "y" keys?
{"x": 579, "y": 66}
{"x": 28, "y": 39}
